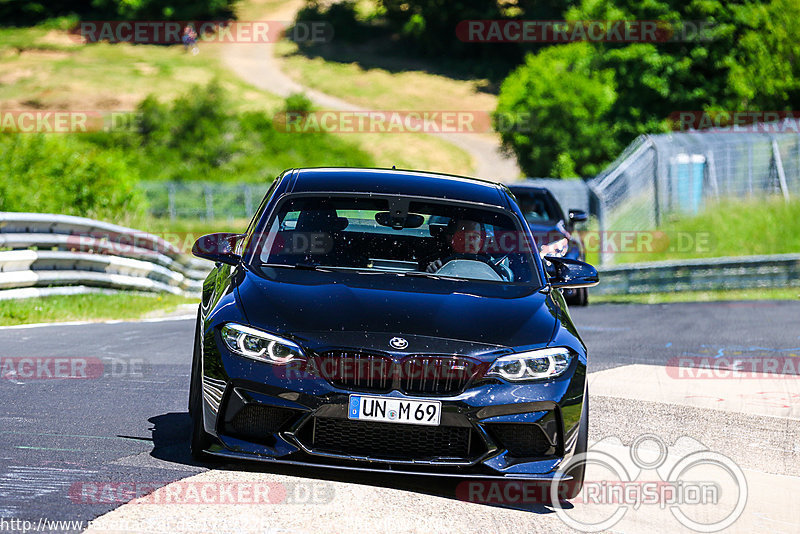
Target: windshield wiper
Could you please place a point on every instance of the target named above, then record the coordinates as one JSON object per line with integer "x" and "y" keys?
{"x": 306, "y": 266}
{"x": 301, "y": 265}
{"x": 423, "y": 274}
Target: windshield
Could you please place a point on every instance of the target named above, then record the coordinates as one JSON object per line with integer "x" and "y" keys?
{"x": 537, "y": 207}
{"x": 393, "y": 235}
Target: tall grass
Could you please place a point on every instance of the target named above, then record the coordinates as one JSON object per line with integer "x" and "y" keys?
{"x": 730, "y": 228}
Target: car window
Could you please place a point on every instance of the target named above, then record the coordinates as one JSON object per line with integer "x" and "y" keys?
{"x": 536, "y": 208}
{"x": 396, "y": 236}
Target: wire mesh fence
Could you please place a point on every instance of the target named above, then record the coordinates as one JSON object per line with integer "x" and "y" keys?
{"x": 202, "y": 200}
{"x": 659, "y": 176}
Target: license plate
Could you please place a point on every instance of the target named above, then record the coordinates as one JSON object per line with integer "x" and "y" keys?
{"x": 390, "y": 410}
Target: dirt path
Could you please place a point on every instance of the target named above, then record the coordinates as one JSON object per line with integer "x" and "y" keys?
{"x": 256, "y": 64}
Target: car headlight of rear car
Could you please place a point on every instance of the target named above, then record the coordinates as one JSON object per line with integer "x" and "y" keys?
{"x": 259, "y": 345}
{"x": 532, "y": 365}
{"x": 556, "y": 248}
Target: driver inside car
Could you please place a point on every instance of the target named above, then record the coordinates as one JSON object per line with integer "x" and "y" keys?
{"x": 463, "y": 237}
{"x": 468, "y": 239}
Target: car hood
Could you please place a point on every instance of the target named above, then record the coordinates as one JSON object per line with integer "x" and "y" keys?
{"x": 366, "y": 310}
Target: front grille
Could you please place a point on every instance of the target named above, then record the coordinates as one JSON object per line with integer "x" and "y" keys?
{"x": 393, "y": 441}
{"x": 416, "y": 375}
{"x": 521, "y": 440}
{"x": 255, "y": 422}
{"x": 436, "y": 375}
{"x": 357, "y": 370}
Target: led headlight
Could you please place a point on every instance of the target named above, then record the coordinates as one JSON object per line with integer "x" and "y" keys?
{"x": 556, "y": 248}
{"x": 259, "y": 345}
{"x": 532, "y": 365}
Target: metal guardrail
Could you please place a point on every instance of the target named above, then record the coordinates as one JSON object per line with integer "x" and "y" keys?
{"x": 48, "y": 250}
{"x": 746, "y": 272}
{"x": 59, "y": 251}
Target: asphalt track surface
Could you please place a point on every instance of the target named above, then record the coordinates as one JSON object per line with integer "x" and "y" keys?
{"x": 131, "y": 425}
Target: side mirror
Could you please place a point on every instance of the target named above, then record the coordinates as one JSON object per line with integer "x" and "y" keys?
{"x": 576, "y": 216}
{"x": 572, "y": 274}
{"x": 218, "y": 248}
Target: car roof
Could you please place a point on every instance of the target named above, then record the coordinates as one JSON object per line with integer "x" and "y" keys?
{"x": 397, "y": 182}
{"x": 528, "y": 188}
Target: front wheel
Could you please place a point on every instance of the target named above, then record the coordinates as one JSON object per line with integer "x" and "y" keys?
{"x": 578, "y": 297}
{"x": 200, "y": 440}
{"x": 578, "y": 471}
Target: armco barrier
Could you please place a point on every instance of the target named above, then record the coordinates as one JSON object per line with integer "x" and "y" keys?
{"x": 49, "y": 250}
{"x": 746, "y": 272}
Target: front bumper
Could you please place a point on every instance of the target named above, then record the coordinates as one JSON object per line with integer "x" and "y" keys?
{"x": 491, "y": 429}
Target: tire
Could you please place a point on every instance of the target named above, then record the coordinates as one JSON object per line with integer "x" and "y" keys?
{"x": 577, "y": 473}
{"x": 580, "y": 297}
{"x": 200, "y": 440}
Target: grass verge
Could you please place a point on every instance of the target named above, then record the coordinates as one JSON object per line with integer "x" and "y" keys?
{"x": 728, "y": 228}
{"x": 46, "y": 69}
{"x": 89, "y": 307}
{"x": 699, "y": 296}
{"x": 397, "y": 86}
{"x": 381, "y": 89}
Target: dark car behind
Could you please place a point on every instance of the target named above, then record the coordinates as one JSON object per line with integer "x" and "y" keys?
{"x": 554, "y": 232}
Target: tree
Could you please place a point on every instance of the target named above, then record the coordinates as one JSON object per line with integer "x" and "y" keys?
{"x": 747, "y": 58}
{"x": 559, "y": 102}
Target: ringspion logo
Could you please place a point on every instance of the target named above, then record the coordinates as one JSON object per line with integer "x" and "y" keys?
{"x": 619, "y": 478}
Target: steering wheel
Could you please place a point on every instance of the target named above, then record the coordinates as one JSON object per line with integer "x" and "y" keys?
{"x": 478, "y": 257}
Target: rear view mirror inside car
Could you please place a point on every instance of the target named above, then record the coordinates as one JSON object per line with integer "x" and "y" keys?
{"x": 411, "y": 220}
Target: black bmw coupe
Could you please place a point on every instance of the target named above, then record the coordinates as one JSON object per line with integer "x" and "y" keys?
{"x": 380, "y": 319}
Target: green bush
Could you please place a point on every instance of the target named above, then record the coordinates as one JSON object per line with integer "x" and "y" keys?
{"x": 342, "y": 17}
{"x": 744, "y": 59}
{"x": 196, "y": 137}
{"x": 560, "y": 101}
{"x": 298, "y": 102}
{"x": 53, "y": 173}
